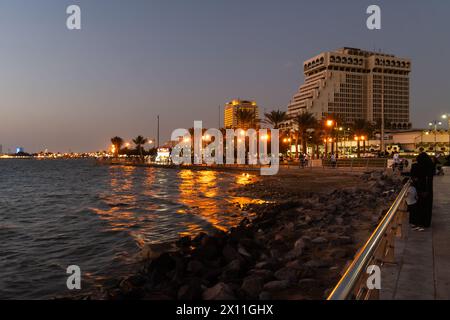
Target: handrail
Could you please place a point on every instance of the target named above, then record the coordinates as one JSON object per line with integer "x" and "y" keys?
{"x": 347, "y": 284}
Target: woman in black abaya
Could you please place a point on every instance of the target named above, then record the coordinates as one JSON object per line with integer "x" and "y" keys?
{"x": 422, "y": 173}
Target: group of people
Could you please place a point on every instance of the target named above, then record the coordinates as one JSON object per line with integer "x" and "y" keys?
{"x": 420, "y": 194}
{"x": 399, "y": 163}
{"x": 304, "y": 160}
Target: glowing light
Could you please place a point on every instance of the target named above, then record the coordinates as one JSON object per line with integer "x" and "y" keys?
{"x": 330, "y": 123}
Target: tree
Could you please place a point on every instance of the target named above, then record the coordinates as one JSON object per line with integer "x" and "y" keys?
{"x": 117, "y": 142}
{"x": 139, "y": 141}
{"x": 246, "y": 118}
{"x": 275, "y": 118}
{"x": 303, "y": 122}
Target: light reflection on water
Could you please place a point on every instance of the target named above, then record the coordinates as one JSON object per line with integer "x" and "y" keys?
{"x": 159, "y": 205}
{"x": 58, "y": 213}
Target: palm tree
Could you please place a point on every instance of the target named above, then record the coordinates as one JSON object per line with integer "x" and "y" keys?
{"x": 303, "y": 122}
{"x": 117, "y": 142}
{"x": 139, "y": 141}
{"x": 246, "y": 118}
{"x": 275, "y": 118}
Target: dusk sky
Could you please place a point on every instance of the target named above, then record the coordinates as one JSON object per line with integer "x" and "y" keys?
{"x": 73, "y": 90}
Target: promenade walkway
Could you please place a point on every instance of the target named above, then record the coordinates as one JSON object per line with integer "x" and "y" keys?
{"x": 422, "y": 267}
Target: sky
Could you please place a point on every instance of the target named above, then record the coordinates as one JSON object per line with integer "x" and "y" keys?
{"x": 132, "y": 60}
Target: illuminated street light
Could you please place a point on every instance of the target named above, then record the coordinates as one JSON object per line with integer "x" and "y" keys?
{"x": 434, "y": 124}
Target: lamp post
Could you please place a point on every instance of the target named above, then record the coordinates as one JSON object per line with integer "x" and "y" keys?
{"x": 447, "y": 116}
{"x": 333, "y": 126}
{"x": 434, "y": 124}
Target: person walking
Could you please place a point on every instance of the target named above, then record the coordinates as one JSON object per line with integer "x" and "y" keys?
{"x": 422, "y": 172}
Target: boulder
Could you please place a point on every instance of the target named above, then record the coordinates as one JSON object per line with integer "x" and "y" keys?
{"x": 286, "y": 273}
{"x": 276, "y": 285}
{"x": 190, "y": 291}
{"x": 319, "y": 240}
{"x": 220, "y": 291}
{"x": 195, "y": 267}
{"x": 265, "y": 296}
{"x": 252, "y": 287}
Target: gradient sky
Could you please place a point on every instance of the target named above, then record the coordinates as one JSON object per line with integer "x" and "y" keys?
{"x": 73, "y": 90}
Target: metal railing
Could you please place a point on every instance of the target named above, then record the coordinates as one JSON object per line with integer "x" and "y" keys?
{"x": 378, "y": 250}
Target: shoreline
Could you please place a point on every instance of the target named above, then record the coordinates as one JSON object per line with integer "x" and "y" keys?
{"x": 294, "y": 248}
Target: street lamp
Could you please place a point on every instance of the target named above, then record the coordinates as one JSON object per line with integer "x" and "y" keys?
{"x": 434, "y": 124}
{"x": 333, "y": 126}
{"x": 447, "y": 116}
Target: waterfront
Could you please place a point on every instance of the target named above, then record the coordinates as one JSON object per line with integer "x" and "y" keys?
{"x": 57, "y": 213}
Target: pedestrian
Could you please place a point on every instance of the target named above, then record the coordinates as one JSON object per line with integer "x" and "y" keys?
{"x": 333, "y": 160}
{"x": 397, "y": 161}
{"x": 422, "y": 172}
{"x": 306, "y": 158}
{"x": 412, "y": 203}
{"x": 301, "y": 160}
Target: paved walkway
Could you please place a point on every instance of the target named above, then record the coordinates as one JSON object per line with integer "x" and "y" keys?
{"x": 422, "y": 268}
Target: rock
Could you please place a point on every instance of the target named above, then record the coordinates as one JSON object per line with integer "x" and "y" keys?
{"x": 295, "y": 264}
{"x": 339, "y": 253}
{"x": 262, "y": 265}
{"x": 229, "y": 253}
{"x": 265, "y": 274}
{"x": 128, "y": 288}
{"x": 278, "y": 237}
{"x": 220, "y": 291}
{"x": 184, "y": 242}
{"x": 299, "y": 244}
{"x": 294, "y": 253}
{"x": 252, "y": 286}
{"x": 307, "y": 283}
{"x": 209, "y": 248}
{"x": 191, "y": 291}
{"x": 317, "y": 264}
{"x": 342, "y": 240}
{"x": 306, "y": 240}
{"x": 276, "y": 285}
{"x": 198, "y": 239}
{"x": 288, "y": 274}
{"x": 195, "y": 267}
{"x": 244, "y": 251}
{"x": 265, "y": 296}
{"x": 319, "y": 240}
{"x": 233, "y": 270}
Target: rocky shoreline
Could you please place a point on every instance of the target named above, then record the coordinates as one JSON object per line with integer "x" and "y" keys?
{"x": 296, "y": 247}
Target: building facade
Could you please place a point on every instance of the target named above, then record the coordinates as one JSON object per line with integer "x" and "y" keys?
{"x": 352, "y": 84}
{"x": 231, "y": 119}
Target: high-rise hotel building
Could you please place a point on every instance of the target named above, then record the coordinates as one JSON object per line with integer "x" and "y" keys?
{"x": 232, "y": 121}
{"x": 349, "y": 84}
